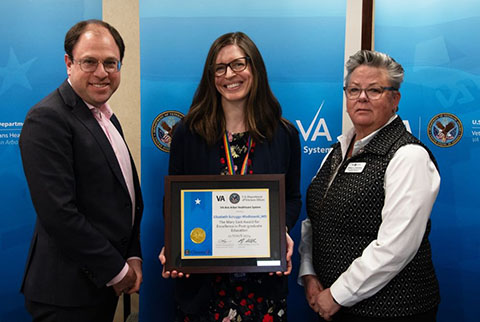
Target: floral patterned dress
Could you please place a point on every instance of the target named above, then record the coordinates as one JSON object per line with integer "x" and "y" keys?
{"x": 236, "y": 297}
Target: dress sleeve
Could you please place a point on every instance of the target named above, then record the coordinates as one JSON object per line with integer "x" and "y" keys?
{"x": 292, "y": 180}
{"x": 176, "y": 162}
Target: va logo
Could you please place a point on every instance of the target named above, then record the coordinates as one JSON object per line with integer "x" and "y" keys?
{"x": 234, "y": 198}
{"x": 445, "y": 130}
{"x": 321, "y": 128}
{"x": 220, "y": 198}
{"x": 162, "y": 129}
{"x": 458, "y": 93}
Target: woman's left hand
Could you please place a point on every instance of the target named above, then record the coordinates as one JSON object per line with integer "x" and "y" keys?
{"x": 290, "y": 244}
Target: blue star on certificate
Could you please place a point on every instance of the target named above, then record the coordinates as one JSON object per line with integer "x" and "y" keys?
{"x": 14, "y": 73}
{"x": 197, "y": 201}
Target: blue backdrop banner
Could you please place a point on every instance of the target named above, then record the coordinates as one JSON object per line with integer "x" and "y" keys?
{"x": 302, "y": 43}
{"x": 31, "y": 66}
{"x": 438, "y": 44}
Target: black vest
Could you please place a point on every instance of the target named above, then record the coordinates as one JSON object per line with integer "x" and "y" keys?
{"x": 346, "y": 219}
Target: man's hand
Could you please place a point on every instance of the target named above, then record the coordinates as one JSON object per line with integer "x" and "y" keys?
{"x": 136, "y": 265}
{"x": 313, "y": 288}
{"x": 167, "y": 274}
{"x": 127, "y": 283}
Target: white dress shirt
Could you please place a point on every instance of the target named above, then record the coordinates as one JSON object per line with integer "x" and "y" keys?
{"x": 411, "y": 186}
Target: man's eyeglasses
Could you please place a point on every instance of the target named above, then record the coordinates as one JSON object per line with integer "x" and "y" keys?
{"x": 372, "y": 93}
{"x": 237, "y": 65}
{"x": 89, "y": 65}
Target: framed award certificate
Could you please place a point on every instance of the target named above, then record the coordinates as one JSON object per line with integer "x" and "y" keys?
{"x": 225, "y": 224}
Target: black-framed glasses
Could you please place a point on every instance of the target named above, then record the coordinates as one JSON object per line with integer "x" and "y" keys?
{"x": 372, "y": 93}
{"x": 237, "y": 65}
{"x": 89, "y": 65}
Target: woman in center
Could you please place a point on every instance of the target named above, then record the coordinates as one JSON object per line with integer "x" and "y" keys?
{"x": 235, "y": 127}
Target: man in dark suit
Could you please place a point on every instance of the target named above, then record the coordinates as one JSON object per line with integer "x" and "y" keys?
{"x": 85, "y": 249}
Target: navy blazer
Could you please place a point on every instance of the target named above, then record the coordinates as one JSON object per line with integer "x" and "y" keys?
{"x": 83, "y": 233}
{"x": 190, "y": 155}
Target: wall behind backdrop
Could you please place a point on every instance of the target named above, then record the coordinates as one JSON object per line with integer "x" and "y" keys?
{"x": 305, "y": 77}
{"x": 438, "y": 44}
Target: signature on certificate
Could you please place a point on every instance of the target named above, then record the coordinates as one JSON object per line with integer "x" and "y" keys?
{"x": 252, "y": 241}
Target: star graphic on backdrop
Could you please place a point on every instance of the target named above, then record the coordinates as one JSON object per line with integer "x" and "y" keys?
{"x": 14, "y": 73}
{"x": 197, "y": 201}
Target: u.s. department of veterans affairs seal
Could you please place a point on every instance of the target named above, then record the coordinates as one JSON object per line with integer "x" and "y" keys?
{"x": 197, "y": 235}
{"x": 445, "y": 130}
{"x": 162, "y": 128}
{"x": 234, "y": 198}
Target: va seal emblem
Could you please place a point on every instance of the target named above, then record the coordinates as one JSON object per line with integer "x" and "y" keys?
{"x": 234, "y": 198}
{"x": 197, "y": 235}
{"x": 162, "y": 128}
{"x": 445, "y": 130}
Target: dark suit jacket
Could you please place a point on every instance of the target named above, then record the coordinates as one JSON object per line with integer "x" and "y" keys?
{"x": 83, "y": 232}
{"x": 190, "y": 155}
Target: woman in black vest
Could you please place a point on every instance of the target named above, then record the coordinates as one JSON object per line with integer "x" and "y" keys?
{"x": 365, "y": 250}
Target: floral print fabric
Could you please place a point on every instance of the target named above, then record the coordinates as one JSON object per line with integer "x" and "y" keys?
{"x": 236, "y": 298}
{"x": 239, "y": 148}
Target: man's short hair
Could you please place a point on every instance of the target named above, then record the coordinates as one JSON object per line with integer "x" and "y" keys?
{"x": 72, "y": 36}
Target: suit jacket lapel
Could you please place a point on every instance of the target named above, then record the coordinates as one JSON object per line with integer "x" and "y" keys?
{"x": 136, "y": 182}
{"x": 85, "y": 116}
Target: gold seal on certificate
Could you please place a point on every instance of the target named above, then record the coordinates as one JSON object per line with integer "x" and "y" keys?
{"x": 197, "y": 235}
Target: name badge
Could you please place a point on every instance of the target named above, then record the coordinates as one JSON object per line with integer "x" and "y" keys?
{"x": 355, "y": 167}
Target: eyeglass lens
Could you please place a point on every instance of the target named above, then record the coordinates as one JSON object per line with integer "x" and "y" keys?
{"x": 371, "y": 92}
{"x": 237, "y": 65}
{"x": 90, "y": 65}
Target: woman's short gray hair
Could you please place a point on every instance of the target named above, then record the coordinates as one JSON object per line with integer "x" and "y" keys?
{"x": 379, "y": 60}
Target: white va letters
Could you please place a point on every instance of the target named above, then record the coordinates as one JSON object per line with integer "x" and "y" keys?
{"x": 318, "y": 130}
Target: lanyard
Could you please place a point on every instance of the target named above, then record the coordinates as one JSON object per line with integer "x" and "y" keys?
{"x": 228, "y": 154}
